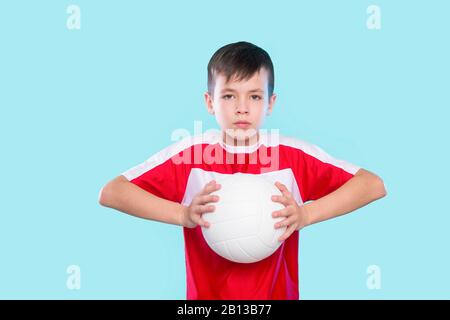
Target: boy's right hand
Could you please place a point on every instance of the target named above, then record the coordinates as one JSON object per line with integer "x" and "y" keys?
{"x": 192, "y": 215}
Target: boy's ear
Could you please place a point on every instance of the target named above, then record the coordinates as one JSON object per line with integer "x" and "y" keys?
{"x": 272, "y": 100}
{"x": 209, "y": 103}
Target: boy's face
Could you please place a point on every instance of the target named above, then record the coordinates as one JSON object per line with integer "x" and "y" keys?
{"x": 240, "y": 106}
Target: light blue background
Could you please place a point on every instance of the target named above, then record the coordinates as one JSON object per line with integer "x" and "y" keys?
{"x": 78, "y": 107}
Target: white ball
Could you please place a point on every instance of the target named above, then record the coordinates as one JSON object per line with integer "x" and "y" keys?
{"x": 242, "y": 228}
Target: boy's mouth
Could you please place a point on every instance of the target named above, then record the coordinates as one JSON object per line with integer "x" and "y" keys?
{"x": 242, "y": 124}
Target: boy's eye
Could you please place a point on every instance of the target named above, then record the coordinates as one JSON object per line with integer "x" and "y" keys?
{"x": 253, "y": 97}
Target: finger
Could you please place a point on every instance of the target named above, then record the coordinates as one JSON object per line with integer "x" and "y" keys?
{"x": 207, "y": 189}
{"x": 286, "y": 212}
{"x": 284, "y": 190}
{"x": 285, "y": 223}
{"x": 210, "y": 187}
{"x": 288, "y": 233}
{"x": 201, "y": 222}
{"x": 207, "y": 199}
{"x": 281, "y": 199}
{"x": 201, "y": 209}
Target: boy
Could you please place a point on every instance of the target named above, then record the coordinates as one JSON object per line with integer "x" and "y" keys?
{"x": 175, "y": 185}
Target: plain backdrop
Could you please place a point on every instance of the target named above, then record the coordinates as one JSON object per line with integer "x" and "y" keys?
{"x": 79, "y": 107}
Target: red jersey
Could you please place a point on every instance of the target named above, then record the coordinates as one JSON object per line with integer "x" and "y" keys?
{"x": 180, "y": 171}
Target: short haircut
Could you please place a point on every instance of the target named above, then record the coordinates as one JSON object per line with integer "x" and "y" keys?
{"x": 241, "y": 60}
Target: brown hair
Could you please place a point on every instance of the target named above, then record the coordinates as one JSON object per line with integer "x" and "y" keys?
{"x": 242, "y": 60}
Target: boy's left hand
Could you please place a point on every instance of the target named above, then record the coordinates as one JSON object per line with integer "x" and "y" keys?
{"x": 296, "y": 216}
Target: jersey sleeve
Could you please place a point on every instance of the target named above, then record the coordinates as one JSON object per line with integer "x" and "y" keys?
{"x": 160, "y": 175}
{"x": 322, "y": 173}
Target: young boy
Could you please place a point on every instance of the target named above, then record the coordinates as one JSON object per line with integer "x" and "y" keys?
{"x": 175, "y": 185}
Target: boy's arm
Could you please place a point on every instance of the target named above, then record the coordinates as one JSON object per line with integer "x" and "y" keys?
{"x": 363, "y": 188}
{"x": 125, "y": 196}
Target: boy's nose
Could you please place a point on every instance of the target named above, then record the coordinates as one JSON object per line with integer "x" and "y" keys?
{"x": 242, "y": 111}
{"x": 241, "y": 108}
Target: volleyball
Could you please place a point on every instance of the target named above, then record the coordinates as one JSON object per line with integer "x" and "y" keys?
{"x": 242, "y": 227}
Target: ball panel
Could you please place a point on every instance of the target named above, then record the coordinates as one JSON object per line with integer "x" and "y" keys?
{"x": 256, "y": 248}
{"x": 231, "y": 210}
{"x": 267, "y": 233}
{"x": 220, "y": 248}
{"x": 230, "y": 230}
{"x": 237, "y": 253}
